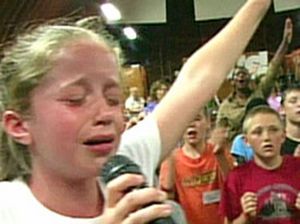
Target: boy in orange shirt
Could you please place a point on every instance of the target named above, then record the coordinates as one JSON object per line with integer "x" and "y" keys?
{"x": 193, "y": 175}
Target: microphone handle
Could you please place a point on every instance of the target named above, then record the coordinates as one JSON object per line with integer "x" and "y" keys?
{"x": 165, "y": 220}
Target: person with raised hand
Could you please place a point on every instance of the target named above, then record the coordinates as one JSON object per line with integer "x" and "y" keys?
{"x": 233, "y": 107}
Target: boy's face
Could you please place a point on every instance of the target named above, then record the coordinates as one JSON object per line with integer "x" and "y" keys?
{"x": 196, "y": 131}
{"x": 265, "y": 134}
{"x": 291, "y": 106}
{"x": 77, "y": 114}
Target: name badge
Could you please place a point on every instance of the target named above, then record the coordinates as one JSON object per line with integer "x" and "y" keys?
{"x": 210, "y": 197}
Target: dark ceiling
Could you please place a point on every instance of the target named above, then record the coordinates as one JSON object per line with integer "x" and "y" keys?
{"x": 165, "y": 45}
{"x": 160, "y": 47}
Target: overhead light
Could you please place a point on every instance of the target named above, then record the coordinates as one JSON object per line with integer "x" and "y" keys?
{"x": 110, "y": 11}
{"x": 130, "y": 33}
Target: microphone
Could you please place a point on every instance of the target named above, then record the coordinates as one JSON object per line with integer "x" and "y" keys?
{"x": 118, "y": 165}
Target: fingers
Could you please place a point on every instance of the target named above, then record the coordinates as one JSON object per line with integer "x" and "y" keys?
{"x": 249, "y": 203}
{"x": 288, "y": 23}
{"x": 118, "y": 187}
{"x": 136, "y": 206}
{"x": 288, "y": 30}
{"x": 148, "y": 214}
{"x": 139, "y": 206}
{"x": 137, "y": 199}
{"x": 297, "y": 204}
{"x": 219, "y": 138}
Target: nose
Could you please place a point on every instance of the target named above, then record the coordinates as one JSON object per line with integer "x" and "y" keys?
{"x": 192, "y": 124}
{"x": 103, "y": 113}
{"x": 265, "y": 135}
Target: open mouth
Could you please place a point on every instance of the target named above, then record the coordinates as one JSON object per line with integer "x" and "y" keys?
{"x": 93, "y": 142}
{"x": 268, "y": 147}
{"x": 242, "y": 82}
{"x": 191, "y": 133}
{"x": 100, "y": 146}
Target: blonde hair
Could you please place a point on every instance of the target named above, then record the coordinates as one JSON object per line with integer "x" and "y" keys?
{"x": 21, "y": 69}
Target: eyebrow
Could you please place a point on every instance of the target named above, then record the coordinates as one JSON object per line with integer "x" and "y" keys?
{"x": 112, "y": 84}
{"x": 83, "y": 81}
{"x": 77, "y": 82}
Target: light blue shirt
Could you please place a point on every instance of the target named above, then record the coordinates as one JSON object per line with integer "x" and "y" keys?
{"x": 240, "y": 148}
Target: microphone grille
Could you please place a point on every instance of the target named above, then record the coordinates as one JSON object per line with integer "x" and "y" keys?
{"x": 116, "y": 166}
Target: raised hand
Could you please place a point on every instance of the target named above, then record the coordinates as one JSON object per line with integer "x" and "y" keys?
{"x": 288, "y": 30}
{"x": 219, "y": 138}
{"x": 297, "y": 204}
{"x": 130, "y": 208}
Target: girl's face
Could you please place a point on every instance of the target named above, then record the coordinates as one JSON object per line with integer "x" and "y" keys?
{"x": 76, "y": 111}
{"x": 161, "y": 92}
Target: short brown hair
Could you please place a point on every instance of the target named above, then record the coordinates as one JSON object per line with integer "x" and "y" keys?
{"x": 293, "y": 87}
{"x": 259, "y": 110}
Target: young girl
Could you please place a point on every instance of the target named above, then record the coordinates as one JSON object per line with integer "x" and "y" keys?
{"x": 63, "y": 119}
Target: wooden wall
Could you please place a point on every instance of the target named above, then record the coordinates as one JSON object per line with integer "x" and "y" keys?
{"x": 134, "y": 76}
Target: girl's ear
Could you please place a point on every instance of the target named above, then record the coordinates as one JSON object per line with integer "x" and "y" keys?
{"x": 16, "y": 127}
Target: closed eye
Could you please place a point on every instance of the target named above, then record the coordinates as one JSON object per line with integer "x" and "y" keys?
{"x": 114, "y": 101}
{"x": 292, "y": 100}
{"x": 73, "y": 101}
{"x": 113, "y": 95}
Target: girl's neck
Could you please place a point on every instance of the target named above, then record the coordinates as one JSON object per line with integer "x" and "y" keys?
{"x": 68, "y": 197}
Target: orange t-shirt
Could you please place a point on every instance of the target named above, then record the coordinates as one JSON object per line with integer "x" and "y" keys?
{"x": 197, "y": 183}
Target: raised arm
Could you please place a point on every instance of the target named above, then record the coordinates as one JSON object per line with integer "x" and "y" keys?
{"x": 219, "y": 138}
{"x": 267, "y": 82}
{"x": 204, "y": 72}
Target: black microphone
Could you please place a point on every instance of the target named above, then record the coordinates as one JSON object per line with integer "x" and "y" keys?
{"x": 118, "y": 165}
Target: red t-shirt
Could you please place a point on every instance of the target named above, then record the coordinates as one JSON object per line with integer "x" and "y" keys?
{"x": 276, "y": 191}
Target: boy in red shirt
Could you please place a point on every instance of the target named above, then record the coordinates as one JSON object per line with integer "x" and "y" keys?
{"x": 265, "y": 190}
